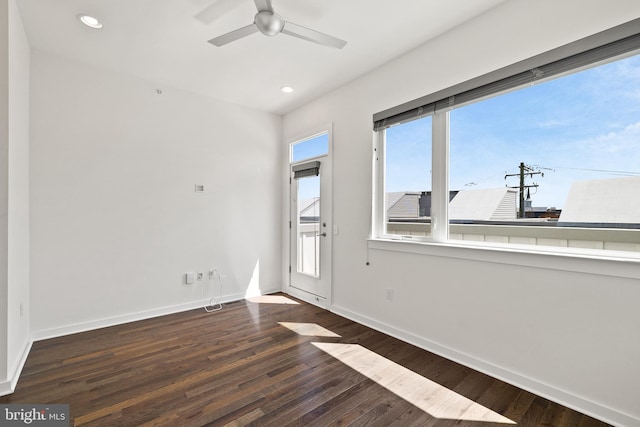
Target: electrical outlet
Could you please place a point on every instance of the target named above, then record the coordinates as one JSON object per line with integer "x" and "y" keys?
{"x": 200, "y": 276}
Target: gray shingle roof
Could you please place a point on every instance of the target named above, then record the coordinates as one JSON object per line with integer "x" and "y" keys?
{"x": 403, "y": 205}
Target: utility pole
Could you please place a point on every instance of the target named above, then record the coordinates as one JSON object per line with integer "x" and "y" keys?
{"x": 524, "y": 170}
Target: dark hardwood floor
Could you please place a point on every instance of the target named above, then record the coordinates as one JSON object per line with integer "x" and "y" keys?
{"x": 271, "y": 364}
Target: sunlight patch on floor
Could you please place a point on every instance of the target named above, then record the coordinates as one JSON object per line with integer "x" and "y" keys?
{"x": 309, "y": 329}
{"x": 271, "y": 299}
{"x": 429, "y": 396}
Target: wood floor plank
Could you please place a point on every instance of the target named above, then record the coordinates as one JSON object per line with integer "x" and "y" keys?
{"x": 241, "y": 367}
{"x": 519, "y": 406}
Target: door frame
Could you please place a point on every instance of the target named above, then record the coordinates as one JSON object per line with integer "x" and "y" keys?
{"x": 326, "y": 203}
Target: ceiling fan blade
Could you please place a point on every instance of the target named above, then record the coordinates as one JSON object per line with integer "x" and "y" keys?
{"x": 264, "y": 5}
{"x": 308, "y": 34}
{"x": 234, "y": 35}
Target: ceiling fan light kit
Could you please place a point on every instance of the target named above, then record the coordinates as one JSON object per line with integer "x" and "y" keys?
{"x": 269, "y": 23}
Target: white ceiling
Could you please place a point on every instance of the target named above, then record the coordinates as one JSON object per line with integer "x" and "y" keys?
{"x": 165, "y": 41}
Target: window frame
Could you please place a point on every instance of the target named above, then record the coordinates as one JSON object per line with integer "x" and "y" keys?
{"x": 606, "y": 44}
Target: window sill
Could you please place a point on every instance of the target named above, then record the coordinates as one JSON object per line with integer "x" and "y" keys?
{"x": 590, "y": 261}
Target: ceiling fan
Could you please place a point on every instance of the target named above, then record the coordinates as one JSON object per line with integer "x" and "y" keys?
{"x": 270, "y": 23}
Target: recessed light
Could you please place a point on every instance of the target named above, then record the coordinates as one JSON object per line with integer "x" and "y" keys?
{"x": 90, "y": 21}
{"x": 286, "y": 89}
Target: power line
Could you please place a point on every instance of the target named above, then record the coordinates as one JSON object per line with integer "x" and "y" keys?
{"x": 625, "y": 173}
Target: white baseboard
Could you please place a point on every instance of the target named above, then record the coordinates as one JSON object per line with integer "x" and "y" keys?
{"x": 307, "y": 297}
{"x": 112, "y": 321}
{"x": 127, "y": 318}
{"x": 562, "y": 397}
{"x": 7, "y": 387}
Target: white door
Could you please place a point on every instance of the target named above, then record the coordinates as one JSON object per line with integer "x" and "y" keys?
{"x": 310, "y": 231}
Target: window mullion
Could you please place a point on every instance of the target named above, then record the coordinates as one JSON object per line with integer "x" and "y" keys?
{"x": 378, "y": 215}
{"x": 440, "y": 177}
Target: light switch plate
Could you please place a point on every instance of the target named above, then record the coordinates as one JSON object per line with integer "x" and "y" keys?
{"x": 190, "y": 278}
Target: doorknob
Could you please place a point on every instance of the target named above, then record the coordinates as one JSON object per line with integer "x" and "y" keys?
{"x": 323, "y": 234}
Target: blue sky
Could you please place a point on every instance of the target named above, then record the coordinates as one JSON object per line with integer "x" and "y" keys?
{"x": 568, "y": 128}
{"x": 312, "y": 147}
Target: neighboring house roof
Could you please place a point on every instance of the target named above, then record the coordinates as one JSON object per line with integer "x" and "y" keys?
{"x": 403, "y": 205}
{"x": 487, "y": 204}
{"x": 309, "y": 207}
{"x": 613, "y": 200}
{"x": 393, "y": 197}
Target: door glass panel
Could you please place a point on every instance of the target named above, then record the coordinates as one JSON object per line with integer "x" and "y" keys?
{"x": 309, "y": 226}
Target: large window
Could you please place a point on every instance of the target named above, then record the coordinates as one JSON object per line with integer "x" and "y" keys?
{"x": 548, "y": 155}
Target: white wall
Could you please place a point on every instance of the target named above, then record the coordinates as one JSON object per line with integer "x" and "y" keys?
{"x": 570, "y": 336}
{"x": 115, "y": 219}
{"x": 14, "y": 195}
{"x": 4, "y": 185}
{"x": 19, "y": 334}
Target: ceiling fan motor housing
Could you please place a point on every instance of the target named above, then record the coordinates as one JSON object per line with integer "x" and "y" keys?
{"x": 269, "y": 23}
